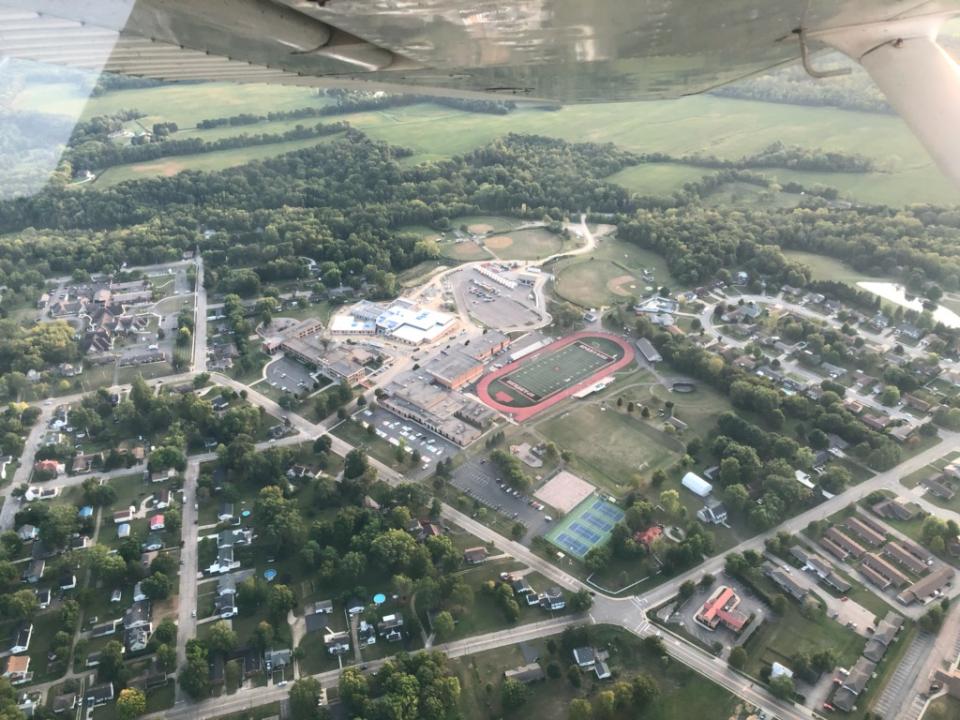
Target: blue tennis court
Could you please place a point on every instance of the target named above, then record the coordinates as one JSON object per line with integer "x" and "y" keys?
{"x": 585, "y": 527}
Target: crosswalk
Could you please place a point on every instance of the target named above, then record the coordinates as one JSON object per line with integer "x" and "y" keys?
{"x": 641, "y": 604}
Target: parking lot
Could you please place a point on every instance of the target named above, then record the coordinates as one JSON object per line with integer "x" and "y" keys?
{"x": 478, "y": 479}
{"x": 290, "y": 375}
{"x": 492, "y": 304}
{"x": 393, "y": 429}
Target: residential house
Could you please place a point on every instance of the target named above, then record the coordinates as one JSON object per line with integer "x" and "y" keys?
{"x": 525, "y": 674}
{"x": 474, "y": 555}
{"x": 784, "y": 581}
{"x": 17, "y": 669}
{"x": 881, "y": 566}
{"x": 34, "y": 571}
{"x": 157, "y": 522}
{"x": 853, "y": 684}
{"x": 713, "y": 512}
{"x": 900, "y": 555}
{"x": 883, "y": 636}
{"x": 585, "y": 657}
{"x": 20, "y": 642}
{"x": 137, "y": 615}
{"x": 865, "y": 533}
{"x": 928, "y": 587}
{"x": 99, "y": 695}
{"x": 66, "y": 702}
{"x": 553, "y": 599}
{"x": 896, "y": 510}
{"x": 849, "y": 545}
{"x": 337, "y": 643}
{"x": 390, "y": 626}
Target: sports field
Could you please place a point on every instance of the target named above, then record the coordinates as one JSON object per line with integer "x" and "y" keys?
{"x": 535, "y": 382}
{"x": 586, "y": 526}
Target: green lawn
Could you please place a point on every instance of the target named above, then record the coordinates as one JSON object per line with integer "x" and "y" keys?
{"x": 943, "y": 708}
{"x": 684, "y": 694}
{"x": 780, "y": 637}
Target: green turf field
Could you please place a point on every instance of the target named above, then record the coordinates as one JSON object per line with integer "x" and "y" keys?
{"x": 585, "y": 527}
{"x": 542, "y": 376}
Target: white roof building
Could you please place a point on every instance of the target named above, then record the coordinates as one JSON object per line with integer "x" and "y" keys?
{"x": 696, "y": 484}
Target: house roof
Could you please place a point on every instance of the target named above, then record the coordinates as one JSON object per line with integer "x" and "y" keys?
{"x": 18, "y": 664}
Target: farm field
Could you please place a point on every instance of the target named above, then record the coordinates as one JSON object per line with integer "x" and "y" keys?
{"x": 827, "y": 268}
{"x": 723, "y": 127}
{"x": 656, "y": 178}
{"x": 218, "y": 160}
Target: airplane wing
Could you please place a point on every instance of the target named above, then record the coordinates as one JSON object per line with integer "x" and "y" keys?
{"x": 560, "y": 50}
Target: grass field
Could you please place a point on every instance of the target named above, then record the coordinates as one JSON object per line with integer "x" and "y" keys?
{"x": 610, "y": 447}
{"x": 781, "y": 637}
{"x": 465, "y": 251}
{"x": 656, "y": 178}
{"x": 724, "y": 127}
{"x": 612, "y": 273}
{"x": 943, "y": 708}
{"x": 531, "y": 244}
{"x": 219, "y": 160}
{"x": 828, "y": 268}
{"x": 683, "y": 693}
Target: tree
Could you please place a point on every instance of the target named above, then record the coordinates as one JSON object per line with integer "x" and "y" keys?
{"x": 686, "y": 590}
{"x": 782, "y": 687}
{"x": 195, "y": 676}
{"x": 737, "y": 658}
{"x": 580, "y": 709}
{"x": 670, "y": 502}
{"x": 580, "y": 601}
{"x": 280, "y": 601}
{"x": 157, "y": 586}
{"x": 513, "y": 694}
{"x": 355, "y": 464}
{"x": 443, "y": 625}
{"x": 131, "y": 703}
{"x": 110, "y": 668}
{"x": 167, "y": 658}
{"x": 890, "y": 396}
{"x": 644, "y": 690}
{"x": 305, "y": 696}
{"x": 221, "y": 638}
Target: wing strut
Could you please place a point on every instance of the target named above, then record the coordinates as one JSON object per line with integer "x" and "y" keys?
{"x": 919, "y": 79}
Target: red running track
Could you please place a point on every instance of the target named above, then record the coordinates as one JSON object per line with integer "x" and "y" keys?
{"x": 525, "y": 413}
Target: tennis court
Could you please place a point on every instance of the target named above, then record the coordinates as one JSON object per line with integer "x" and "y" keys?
{"x": 585, "y": 527}
{"x": 535, "y": 382}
